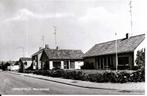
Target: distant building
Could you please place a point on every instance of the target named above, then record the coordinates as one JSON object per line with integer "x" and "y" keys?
{"x": 26, "y": 62}
{"x": 103, "y": 55}
{"x": 61, "y": 58}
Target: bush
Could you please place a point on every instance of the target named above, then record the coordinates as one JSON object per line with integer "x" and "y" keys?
{"x": 106, "y": 76}
{"x": 28, "y": 71}
{"x": 138, "y": 76}
{"x": 78, "y": 75}
{"x": 56, "y": 73}
{"x": 110, "y": 77}
{"x": 92, "y": 77}
{"x": 74, "y": 74}
{"x": 123, "y": 77}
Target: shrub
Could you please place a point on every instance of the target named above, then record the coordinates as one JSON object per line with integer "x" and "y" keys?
{"x": 56, "y": 73}
{"x": 92, "y": 77}
{"x": 138, "y": 76}
{"x": 110, "y": 77}
{"x": 123, "y": 77}
{"x": 28, "y": 71}
{"x": 69, "y": 74}
{"x": 79, "y": 75}
{"x": 106, "y": 76}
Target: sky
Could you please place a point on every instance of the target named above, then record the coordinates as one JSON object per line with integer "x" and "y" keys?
{"x": 80, "y": 24}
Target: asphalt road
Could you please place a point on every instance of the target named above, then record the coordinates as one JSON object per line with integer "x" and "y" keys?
{"x": 12, "y": 84}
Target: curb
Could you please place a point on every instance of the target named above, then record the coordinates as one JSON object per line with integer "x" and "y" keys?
{"x": 70, "y": 83}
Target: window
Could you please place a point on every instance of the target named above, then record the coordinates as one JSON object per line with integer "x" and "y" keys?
{"x": 123, "y": 60}
{"x": 123, "y": 63}
{"x": 57, "y": 64}
{"x": 66, "y": 64}
{"x": 72, "y": 64}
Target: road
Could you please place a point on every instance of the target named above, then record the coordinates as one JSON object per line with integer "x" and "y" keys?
{"x": 13, "y": 84}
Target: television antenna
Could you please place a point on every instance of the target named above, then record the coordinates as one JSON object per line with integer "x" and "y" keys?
{"x": 55, "y": 29}
{"x": 43, "y": 40}
{"x": 131, "y": 20}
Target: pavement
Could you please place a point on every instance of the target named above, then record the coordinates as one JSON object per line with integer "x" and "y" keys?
{"x": 129, "y": 87}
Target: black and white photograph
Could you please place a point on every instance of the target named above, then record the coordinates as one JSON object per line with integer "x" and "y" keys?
{"x": 72, "y": 47}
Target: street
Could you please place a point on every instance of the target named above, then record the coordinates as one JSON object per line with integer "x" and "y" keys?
{"x": 13, "y": 84}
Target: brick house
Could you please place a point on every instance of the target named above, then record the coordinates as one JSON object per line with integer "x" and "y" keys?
{"x": 103, "y": 55}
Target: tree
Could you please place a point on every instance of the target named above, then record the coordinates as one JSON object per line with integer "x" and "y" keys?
{"x": 140, "y": 60}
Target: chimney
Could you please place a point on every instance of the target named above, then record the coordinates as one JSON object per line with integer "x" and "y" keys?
{"x": 127, "y": 35}
{"x": 46, "y": 46}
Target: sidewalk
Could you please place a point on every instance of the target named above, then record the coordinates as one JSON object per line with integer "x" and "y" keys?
{"x": 140, "y": 86}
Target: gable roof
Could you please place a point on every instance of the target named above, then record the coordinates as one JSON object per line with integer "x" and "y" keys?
{"x": 38, "y": 52}
{"x": 25, "y": 59}
{"x": 63, "y": 54}
{"x": 123, "y": 45}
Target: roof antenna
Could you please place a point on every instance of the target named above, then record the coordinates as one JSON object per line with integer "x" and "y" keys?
{"x": 43, "y": 40}
{"x": 55, "y": 35}
{"x": 131, "y": 20}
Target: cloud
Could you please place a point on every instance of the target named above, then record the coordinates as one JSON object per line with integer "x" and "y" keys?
{"x": 25, "y": 14}
{"x": 97, "y": 14}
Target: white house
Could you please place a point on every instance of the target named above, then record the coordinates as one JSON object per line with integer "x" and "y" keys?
{"x": 27, "y": 62}
{"x": 61, "y": 58}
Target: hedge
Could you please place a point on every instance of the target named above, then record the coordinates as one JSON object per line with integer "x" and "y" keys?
{"x": 106, "y": 76}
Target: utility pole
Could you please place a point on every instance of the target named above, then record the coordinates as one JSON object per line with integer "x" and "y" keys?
{"x": 131, "y": 20}
{"x": 55, "y": 35}
{"x": 116, "y": 55}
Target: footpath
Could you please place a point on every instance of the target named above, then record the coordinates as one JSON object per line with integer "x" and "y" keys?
{"x": 134, "y": 86}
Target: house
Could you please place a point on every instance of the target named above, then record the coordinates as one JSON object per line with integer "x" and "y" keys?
{"x": 26, "y": 62}
{"x": 61, "y": 58}
{"x": 104, "y": 55}
{"x": 14, "y": 66}
{"x": 36, "y": 57}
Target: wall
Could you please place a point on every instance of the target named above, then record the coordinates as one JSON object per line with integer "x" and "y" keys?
{"x": 94, "y": 61}
{"x": 51, "y": 64}
{"x": 38, "y": 60}
{"x": 78, "y": 64}
{"x": 14, "y": 67}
